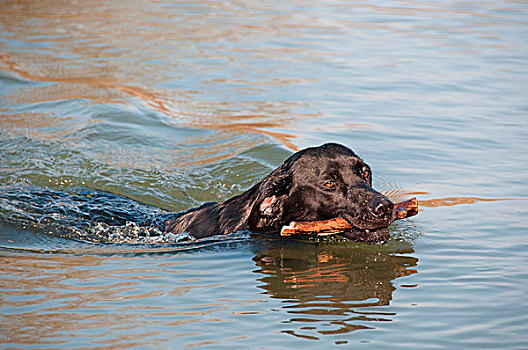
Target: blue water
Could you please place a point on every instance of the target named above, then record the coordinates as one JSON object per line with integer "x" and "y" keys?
{"x": 172, "y": 104}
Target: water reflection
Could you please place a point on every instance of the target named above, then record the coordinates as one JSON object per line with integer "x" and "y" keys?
{"x": 41, "y": 298}
{"x": 232, "y": 123}
{"x": 450, "y": 201}
{"x": 144, "y": 299}
{"x": 330, "y": 289}
{"x": 201, "y": 63}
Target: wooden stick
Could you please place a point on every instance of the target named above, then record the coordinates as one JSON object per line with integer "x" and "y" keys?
{"x": 322, "y": 228}
{"x": 402, "y": 210}
{"x": 406, "y": 208}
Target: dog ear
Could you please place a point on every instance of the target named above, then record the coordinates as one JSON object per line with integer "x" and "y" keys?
{"x": 270, "y": 202}
{"x": 274, "y": 188}
{"x": 267, "y": 206}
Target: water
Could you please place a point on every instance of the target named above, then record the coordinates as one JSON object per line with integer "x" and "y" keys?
{"x": 174, "y": 104}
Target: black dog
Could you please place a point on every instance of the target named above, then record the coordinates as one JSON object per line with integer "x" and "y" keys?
{"x": 316, "y": 183}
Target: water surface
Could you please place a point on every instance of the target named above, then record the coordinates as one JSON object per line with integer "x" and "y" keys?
{"x": 172, "y": 104}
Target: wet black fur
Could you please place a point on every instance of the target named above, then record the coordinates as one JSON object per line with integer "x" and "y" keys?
{"x": 296, "y": 191}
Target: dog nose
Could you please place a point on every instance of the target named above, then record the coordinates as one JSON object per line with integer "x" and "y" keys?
{"x": 382, "y": 207}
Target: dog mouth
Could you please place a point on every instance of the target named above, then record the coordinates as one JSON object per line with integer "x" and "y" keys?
{"x": 345, "y": 225}
{"x": 371, "y": 236}
{"x": 367, "y": 231}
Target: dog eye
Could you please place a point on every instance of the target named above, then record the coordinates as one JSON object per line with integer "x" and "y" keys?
{"x": 329, "y": 184}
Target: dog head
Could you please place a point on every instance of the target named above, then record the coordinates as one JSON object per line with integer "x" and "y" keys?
{"x": 321, "y": 183}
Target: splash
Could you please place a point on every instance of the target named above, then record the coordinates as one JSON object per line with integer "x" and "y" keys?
{"x": 131, "y": 233}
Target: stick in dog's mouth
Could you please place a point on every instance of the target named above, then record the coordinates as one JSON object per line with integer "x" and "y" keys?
{"x": 402, "y": 210}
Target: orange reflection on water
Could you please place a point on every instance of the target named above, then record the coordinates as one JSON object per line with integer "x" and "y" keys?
{"x": 450, "y": 201}
{"x": 107, "y": 53}
{"x": 221, "y": 118}
{"x": 57, "y": 294}
{"x": 397, "y": 195}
